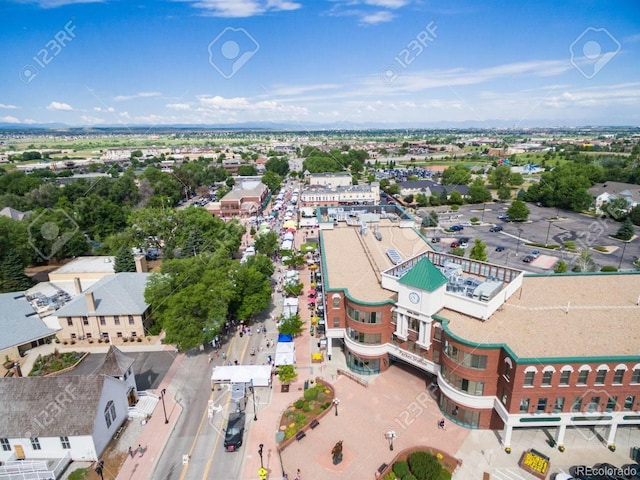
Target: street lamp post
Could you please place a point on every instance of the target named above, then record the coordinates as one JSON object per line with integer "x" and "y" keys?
{"x": 391, "y": 434}
{"x": 546, "y": 242}
{"x": 253, "y": 393}
{"x": 518, "y": 244}
{"x": 260, "y": 447}
{"x": 336, "y": 401}
{"x": 624, "y": 247}
{"x": 164, "y": 409}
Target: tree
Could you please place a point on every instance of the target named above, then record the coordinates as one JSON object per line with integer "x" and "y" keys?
{"x": 278, "y": 166}
{"x": 287, "y": 374}
{"x": 267, "y": 243}
{"x": 504, "y": 193}
{"x": 253, "y": 292}
{"x": 295, "y": 260}
{"x": 291, "y": 326}
{"x": 12, "y": 276}
{"x": 616, "y": 208}
{"x": 518, "y": 211}
{"x": 455, "y": 198}
{"x": 634, "y": 215}
{"x": 478, "y": 192}
{"x": 456, "y": 175}
{"x": 584, "y": 262}
{"x": 478, "y": 252}
{"x": 561, "y": 267}
{"x": 626, "y": 230}
{"x": 124, "y": 261}
{"x": 272, "y": 180}
{"x": 247, "y": 170}
{"x": 293, "y": 289}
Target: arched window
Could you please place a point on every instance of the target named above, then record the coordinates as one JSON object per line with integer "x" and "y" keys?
{"x": 529, "y": 376}
{"x": 508, "y": 366}
{"x": 336, "y": 300}
{"x": 110, "y": 413}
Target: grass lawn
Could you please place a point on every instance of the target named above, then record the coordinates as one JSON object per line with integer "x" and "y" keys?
{"x": 308, "y": 247}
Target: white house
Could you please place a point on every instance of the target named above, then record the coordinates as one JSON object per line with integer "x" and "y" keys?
{"x": 60, "y": 417}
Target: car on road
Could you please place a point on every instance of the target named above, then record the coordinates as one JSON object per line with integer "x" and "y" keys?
{"x": 496, "y": 228}
{"x": 455, "y": 244}
{"x": 503, "y": 217}
{"x": 528, "y": 259}
{"x": 535, "y": 254}
{"x": 234, "y": 432}
{"x": 464, "y": 242}
{"x": 499, "y": 248}
{"x": 456, "y": 228}
{"x": 435, "y": 240}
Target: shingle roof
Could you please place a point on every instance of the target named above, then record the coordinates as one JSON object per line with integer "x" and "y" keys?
{"x": 115, "y": 363}
{"x": 435, "y": 188}
{"x": 14, "y": 214}
{"x": 49, "y": 406}
{"x": 424, "y": 275}
{"x": 118, "y": 294}
{"x": 19, "y": 322}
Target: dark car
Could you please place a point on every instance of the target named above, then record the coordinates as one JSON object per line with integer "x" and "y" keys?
{"x": 435, "y": 240}
{"x": 528, "y": 259}
{"x": 500, "y": 248}
{"x": 455, "y": 244}
{"x": 496, "y": 228}
{"x": 456, "y": 228}
{"x": 234, "y": 432}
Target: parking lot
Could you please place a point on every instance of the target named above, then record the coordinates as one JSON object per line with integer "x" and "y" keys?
{"x": 545, "y": 226}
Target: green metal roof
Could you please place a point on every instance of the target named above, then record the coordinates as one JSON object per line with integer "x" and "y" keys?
{"x": 424, "y": 275}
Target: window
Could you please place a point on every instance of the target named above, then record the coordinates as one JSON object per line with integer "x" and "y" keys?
{"x": 116, "y": 319}
{"x": 69, "y": 322}
{"x": 559, "y": 404}
{"x": 593, "y": 405}
{"x": 134, "y": 334}
{"x": 110, "y": 413}
{"x": 368, "y": 338}
{"x": 564, "y": 377}
{"x": 600, "y": 377}
{"x": 336, "y": 322}
{"x": 507, "y": 369}
{"x": 576, "y": 406}
{"x": 131, "y": 320}
{"x": 436, "y": 356}
{"x": 546, "y": 378}
{"x": 464, "y": 359}
{"x": 635, "y": 377}
{"x": 85, "y": 320}
{"x": 472, "y": 387}
{"x": 524, "y": 405}
{"x": 413, "y": 324}
{"x": 529, "y": 378}
{"x": 65, "y": 443}
{"x": 88, "y": 336}
{"x": 618, "y": 375}
{"x": 437, "y": 334}
{"x": 103, "y": 321}
{"x": 5, "y": 444}
{"x": 628, "y": 402}
{"x": 542, "y": 405}
{"x": 336, "y": 300}
{"x": 612, "y": 402}
{"x": 35, "y": 443}
{"x": 73, "y": 336}
{"x": 119, "y": 334}
{"x": 583, "y": 376}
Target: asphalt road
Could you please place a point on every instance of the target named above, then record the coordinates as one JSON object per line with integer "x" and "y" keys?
{"x": 545, "y": 226}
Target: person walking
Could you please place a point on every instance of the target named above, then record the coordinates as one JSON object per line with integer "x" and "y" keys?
{"x": 140, "y": 450}
{"x": 131, "y": 452}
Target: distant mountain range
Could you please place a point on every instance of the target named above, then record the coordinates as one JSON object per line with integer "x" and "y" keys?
{"x": 310, "y": 126}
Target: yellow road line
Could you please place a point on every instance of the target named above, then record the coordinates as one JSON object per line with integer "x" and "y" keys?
{"x": 215, "y": 446}
{"x": 205, "y": 415}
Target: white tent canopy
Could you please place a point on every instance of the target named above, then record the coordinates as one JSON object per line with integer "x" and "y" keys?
{"x": 260, "y": 374}
{"x": 287, "y": 245}
{"x": 285, "y": 353}
{"x": 290, "y": 307}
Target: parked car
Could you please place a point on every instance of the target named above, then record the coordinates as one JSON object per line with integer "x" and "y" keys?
{"x": 234, "y": 432}
{"x": 499, "y": 248}
{"x": 435, "y": 240}
{"x": 563, "y": 476}
{"x": 456, "y": 228}
{"x": 496, "y": 228}
{"x": 528, "y": 259}
{"x": 503, "y": 217}
{"x": 455, "y": 244}
{"x": 535, "y": 253}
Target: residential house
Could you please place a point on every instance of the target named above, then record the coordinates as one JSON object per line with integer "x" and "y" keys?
{"x": 114, "y": 307}
{"x": 14, "y": 214}
{"x": 604, "y": 193}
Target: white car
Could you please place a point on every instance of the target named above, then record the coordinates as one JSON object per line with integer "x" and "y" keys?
{"x": 563, "y": 476}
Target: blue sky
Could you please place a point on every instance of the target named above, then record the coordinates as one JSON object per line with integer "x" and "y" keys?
{"x": 387, "y": 62}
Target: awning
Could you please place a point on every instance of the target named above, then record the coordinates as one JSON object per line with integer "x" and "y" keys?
{"x": 289, "y": 224}
{"x": 260, "y": 375}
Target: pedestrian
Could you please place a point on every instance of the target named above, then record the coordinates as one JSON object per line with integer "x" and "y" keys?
{"x": 224, "y": 356}
{"x": 131, "y": 452}
{"x": 217, "y": 354}
{"x": 140, "y": 450}
{"x": 441, "y": 424}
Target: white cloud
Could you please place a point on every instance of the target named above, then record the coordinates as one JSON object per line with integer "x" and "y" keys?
{"x": 104, "y": 109}
{"x": 178, "y": 106}
{"x": 377, "y": 17}
{"x": 8, "y": 107}
{"x": 242, "y": 8}
{"x": 60, "y": 3}
{"x": 59, "y": 106}
{"x": 89, "y": 120}
{"x": 387, "y": 3}
{"x": 10, "y": 119}
{"x": 300, "y": 89}
{"x": 122, "y": 98}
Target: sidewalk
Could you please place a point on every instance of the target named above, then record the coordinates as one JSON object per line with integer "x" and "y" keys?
{"x": 156, "y": 433}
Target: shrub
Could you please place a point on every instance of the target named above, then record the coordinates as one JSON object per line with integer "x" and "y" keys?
{"x": 390, "y": 476}
{"x": 299, "y": 403}
{"x": 79, "y": 474}
{"x": 444, "y": 475}
{"x": 599, "y": 248}
{"x": 301, "y": 418}
{"x": 474, "y": 220}
{"x": 139, "y": 339}
{"x": 325, "y": 405}
{"x": 401, "y": 468}
{"x": 306, "y": 408}
{"x": 409, "y": 477}
{"x": 310, "y": 394}
{"x": 290, "y": 431}
{"x": 321, "y": 397}
{"x": 608, "y": 268}
{"x": 424, "y": 466}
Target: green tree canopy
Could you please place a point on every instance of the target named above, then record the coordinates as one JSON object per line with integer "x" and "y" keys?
{"x": 124, "y": 260}
{"x": 479, "y": 251}
{"x": 456, "y": 175}
{"x": 518, "y": 211}
{"x": 626, "y": 230}
{"x": 267, "y": 243}
{"x": 12, "y": 276}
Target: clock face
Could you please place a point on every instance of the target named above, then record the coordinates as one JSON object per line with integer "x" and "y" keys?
{"x": 414, "y": 297}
